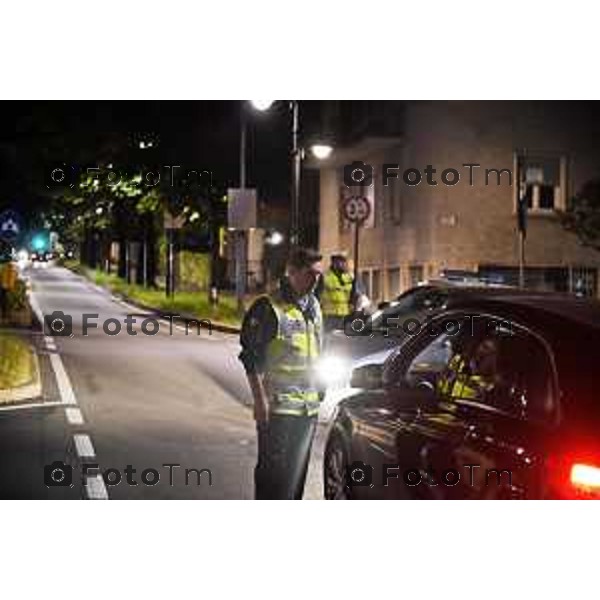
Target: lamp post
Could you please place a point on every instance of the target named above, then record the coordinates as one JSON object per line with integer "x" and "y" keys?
{"x": 319, "y": 151}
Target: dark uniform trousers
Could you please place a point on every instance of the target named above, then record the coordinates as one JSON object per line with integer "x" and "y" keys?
{"x": 284, "y": 444}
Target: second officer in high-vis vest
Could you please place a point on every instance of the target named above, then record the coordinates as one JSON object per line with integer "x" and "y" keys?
{"x": 281, "y": 340}
{"x": 336, "y": 292}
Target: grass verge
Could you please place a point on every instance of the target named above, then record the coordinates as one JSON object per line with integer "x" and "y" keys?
{"x": 17, "y": 366}
{"x": 194, "y": 304}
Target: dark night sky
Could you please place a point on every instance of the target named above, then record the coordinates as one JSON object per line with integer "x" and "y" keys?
{"x": 34, "y": 135}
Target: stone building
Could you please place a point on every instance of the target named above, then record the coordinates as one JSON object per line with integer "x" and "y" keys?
{"x": 418, "y": 230}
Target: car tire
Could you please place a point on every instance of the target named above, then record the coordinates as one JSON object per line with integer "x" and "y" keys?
{"x": 335, "y": 464}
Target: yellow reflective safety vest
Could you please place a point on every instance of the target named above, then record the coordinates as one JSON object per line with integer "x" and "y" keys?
{"x": 335, "y": 299}
{"x": 457, "y": 383}
{"x": 291, "y": 356}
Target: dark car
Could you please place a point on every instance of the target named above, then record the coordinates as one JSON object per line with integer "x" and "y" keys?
{"x": 498, "y": 398}
{"x": 387, "y": 328}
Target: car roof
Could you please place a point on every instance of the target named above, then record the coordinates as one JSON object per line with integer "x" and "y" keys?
{"x": 541, "y": 308}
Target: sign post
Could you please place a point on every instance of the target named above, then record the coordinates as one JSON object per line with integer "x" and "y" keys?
{"x": 357, "y": 210}
{"x": 241, "y": 216}
{"x": 522, "y": 178}
{"x": 171, "y": 224}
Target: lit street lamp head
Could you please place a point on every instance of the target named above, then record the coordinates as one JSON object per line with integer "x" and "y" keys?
{"x": 321, "y": 151}
{"x": 261, "y": 105}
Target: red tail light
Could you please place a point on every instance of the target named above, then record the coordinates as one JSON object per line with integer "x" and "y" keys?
{"x": 574, "y": 474}
{"x": 585, "y": 477}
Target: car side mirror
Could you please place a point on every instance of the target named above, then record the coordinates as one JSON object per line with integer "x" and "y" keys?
{"x": 367, "y": 377}
{"x": 382, "y": 305}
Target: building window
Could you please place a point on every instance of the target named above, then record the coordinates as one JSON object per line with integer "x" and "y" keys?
{"x": 544, "y": 182}
{"x": 415, "y": 274}
{"x": 394, "y": 203}
{"x": 584, "y": 282}
{"x": 394, "y": 282}
{"x": 547, "y": 196}
{"x": 365, "y": 282}
{"x": 375, "y": 285}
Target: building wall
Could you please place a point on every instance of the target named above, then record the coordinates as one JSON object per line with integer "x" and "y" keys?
{"x": 464, "y": 226}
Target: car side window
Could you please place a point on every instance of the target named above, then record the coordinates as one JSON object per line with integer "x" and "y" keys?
{"x": 508, "y": 370}
{"x": 430, "y": 362}
{"x": 427, "y": 358}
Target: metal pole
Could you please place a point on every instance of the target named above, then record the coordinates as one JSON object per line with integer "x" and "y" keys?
{"x": 127, "y": 265}
{"x": 296, "y": 173}
{"x": 242, "y": 149}
{"x": 521, "y": 260}
{"x": 355, "y": 280}
{"x": 239, "y": 237}
{"x": 145, "y": 261}
{"x": 172, "y": 265}
{"x": 520, "y": 187}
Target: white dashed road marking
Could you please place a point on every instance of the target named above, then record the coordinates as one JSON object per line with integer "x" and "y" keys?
{"x": 74, "y": 415}
{"x": 95, "y": 487}
{"x": 83, "y": 445}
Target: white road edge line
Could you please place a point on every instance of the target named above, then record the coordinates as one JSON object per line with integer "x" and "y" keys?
{"x": 62, "y": 380}
{"x": 95, "y": 487}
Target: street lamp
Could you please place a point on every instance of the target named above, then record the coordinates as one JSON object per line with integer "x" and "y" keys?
{"x": 274, "y": 238}
{"x": 261, "y": 105}
{"x": 319, "y": 151}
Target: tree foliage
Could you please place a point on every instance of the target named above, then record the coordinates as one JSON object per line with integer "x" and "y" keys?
{"x": 582, "y": 216}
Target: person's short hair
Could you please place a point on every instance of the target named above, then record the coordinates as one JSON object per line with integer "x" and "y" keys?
{"x": 302, "y": 258}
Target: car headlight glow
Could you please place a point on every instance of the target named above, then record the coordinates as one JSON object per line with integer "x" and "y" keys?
{"x": 332, "y": 369}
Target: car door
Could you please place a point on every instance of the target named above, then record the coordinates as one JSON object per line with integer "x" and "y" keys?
{"x": 489, "y": 445}
{"x": 395, "y": 413}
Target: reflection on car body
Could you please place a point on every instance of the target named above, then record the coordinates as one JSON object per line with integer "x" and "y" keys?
{"x": 500, "y": 412}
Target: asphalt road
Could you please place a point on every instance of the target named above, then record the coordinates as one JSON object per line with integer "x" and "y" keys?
{"x": 139, "y": 400}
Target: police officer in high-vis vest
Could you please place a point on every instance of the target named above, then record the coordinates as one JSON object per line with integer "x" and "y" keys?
{"x": 336, "y": 292}
{"x": 472, "y": 375}
{"x": 281, "y": 340}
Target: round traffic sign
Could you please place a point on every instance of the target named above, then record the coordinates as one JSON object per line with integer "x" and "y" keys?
{"x": 357, "y": 209}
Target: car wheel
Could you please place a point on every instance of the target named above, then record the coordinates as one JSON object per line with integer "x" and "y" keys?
{"x": 334, "y": 471}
